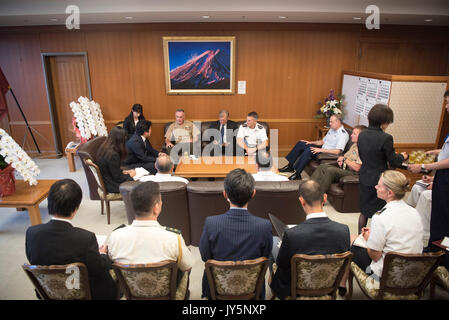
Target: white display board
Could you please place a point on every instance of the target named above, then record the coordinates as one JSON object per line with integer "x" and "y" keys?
{"x": 361, "y": 94}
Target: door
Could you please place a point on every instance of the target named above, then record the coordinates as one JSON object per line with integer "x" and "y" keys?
{"x": 67, "y": 81}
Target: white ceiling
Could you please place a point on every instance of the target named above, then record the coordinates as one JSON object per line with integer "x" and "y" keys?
{"x": 52, "y": 12}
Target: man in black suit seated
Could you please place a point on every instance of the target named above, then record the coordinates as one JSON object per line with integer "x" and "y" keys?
{"x": 58, "y": 242}
{"x": 317, "y": 235}
{"x": 224, "y": 135}
{"x": 140, "y": 151}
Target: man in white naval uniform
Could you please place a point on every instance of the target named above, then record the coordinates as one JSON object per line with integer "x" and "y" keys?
{"x": 251, "y": 135}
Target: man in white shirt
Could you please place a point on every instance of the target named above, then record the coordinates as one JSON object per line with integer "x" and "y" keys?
{"x": 264, "y": 164}
{"x": 251, "y": 135}
{"x": 334, "y": 142}
{"x": 145, "y": 240}
{"x": 164, "y": 168}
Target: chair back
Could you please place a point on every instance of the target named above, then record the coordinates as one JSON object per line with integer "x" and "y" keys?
{"x": 152, "y": 281}
{"x": 96, "y": 173}
{"x": 236, "y": 280}
{"x": 407, "y": 274}
{"x": 317, "y": 276}
{"x": 60, "y": 282}
{"x": 86, "y": 151}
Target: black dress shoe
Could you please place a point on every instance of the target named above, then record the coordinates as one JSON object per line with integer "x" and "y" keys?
{"x": 286, "y": 168}
{"x": 294, "y": 176}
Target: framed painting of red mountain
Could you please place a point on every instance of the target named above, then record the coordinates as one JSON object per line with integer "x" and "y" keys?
{"x": 199, "y": 65}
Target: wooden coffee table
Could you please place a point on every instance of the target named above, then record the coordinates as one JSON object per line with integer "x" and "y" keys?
{"x": 28, "y": 197}
{"x": 214, "y": 167}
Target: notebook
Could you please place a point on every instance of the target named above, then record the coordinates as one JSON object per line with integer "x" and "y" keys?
{"x": 279, "y": 226}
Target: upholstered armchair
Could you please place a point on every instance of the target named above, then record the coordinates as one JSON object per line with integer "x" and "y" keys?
{"x": 51, "y": 281}
{"x": 152, "y": 281}
{"x": 236, "y": 280}
{"x": 404, "y": 276}
{"x": 440, "y": 278}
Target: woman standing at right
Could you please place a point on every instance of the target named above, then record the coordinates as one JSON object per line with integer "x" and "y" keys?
{"x": 376, "y": 151}
{"x": 439, "y": 216}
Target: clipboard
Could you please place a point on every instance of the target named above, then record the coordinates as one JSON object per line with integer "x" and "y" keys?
{"x": 279, "y": 226}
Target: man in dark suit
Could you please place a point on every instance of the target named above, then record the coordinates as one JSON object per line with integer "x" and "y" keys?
{"x": 140, "y": 151}
{"x": 223, "y": 135}
{"x": 58, "y": 242}
{"x": 235, "y": 235}
{"x": 317, "y": 235}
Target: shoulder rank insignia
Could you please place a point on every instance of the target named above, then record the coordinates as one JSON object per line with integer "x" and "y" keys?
{"x": 259, "y": 126}
{"x": 380, "y": 211}
{"x": 173, "y": 230}
{"x": 343, "y": 130}
{"x": 244, "y": 125}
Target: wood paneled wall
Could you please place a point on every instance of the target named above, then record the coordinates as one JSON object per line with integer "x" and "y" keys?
{"x": 288, "y": 69}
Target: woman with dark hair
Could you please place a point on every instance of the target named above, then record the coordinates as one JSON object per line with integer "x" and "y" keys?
{"x": 376, "y": 152}
{"x": 109, "y": 158}
{"x": 129, "y": 124}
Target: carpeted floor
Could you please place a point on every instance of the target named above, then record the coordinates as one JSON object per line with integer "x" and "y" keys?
{"x": 14, "y": 284}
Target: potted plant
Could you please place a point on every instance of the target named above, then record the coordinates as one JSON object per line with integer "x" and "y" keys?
{"x": 330, "y": 107}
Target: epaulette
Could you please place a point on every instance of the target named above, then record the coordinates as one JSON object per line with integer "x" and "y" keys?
{"x": 244, "y": 125}
{"x": 380, "y": 211}
{"x": 259, "y": 126}
{"x": 173, "y": 230}
{"x": 343, "y": 130}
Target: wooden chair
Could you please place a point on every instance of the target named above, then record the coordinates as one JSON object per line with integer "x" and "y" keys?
{"x": 236, "y": 280}
{"x": 152, "y": 281}
{"x": 404, "y": 276}
{"x": 440, "y": 278}
{"x": 60, "y": 282}
{"x": 101, "y": 188}
{"x": 316, "y": 277}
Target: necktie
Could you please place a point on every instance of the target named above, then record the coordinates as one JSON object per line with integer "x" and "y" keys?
{"x": 222, "y": 134}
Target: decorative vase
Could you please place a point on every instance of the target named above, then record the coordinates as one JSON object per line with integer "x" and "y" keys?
{"x": 7, "y": 181}
{"x": 328, "y": 124}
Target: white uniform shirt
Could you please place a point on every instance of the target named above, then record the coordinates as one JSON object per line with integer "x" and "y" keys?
{"x": 444, "y": 153}
{"x": 252, "y": 137}
{"x": 398, "y": 228}
{"x": 163, "y": 177}
{"x": 147, "y": 242}
{"x": 268, "y": 175}
{"x": 335, "y": 139}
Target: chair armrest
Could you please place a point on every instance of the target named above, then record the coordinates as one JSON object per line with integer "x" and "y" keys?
{"x": 354, "y": 179}
{"x": 327, "y": 156}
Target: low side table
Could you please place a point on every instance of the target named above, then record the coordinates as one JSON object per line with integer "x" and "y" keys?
{"x": 28, "y": 197}
{"x": 70, "y": 153}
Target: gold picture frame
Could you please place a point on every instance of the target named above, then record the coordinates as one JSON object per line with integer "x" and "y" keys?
{"x": 199, "y": 65}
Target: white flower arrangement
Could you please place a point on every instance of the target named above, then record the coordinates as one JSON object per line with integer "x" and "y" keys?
{"x": 331, "y": 106}
{"x": 89, "y": 118}
{"x": 14, "y": 155}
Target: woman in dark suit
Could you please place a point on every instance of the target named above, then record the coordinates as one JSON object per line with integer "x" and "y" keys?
{"x": 109, "y": 158}
{"x": 129, "y": 124}
{"x": 376, "y": 152}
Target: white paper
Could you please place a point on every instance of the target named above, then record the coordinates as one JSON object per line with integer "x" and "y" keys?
{"x": 140, "y": 172}
{"x": 242, "y": 87}
{"x": 291, "y": 226}
{"x": 360, "y": 242}
{"x": 445, "y": 242}
{"x": 101, "y": 239}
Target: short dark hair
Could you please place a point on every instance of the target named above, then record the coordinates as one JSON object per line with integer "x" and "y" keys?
{"x": 144, "y": 196}
{"x": 239, "y": 187}
{"x": 446, "y": 94}
{"x": 360, "y": 127}
{"x": 64, "y": 197}
{"x": 179, "y": 110}
{"x": 253, "y": 114}
{"x": 137, "y": 107}
{"x": 380, "y": 114}
{"x": 264, "y": 159}
{"x": 310, "y": 191}
{"x": 143, "y": 126}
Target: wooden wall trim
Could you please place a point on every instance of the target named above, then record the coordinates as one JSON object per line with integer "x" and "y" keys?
{"x": 22, "y": 123}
